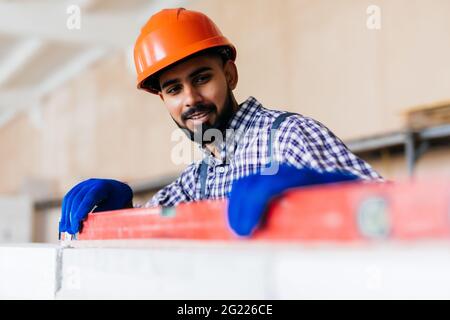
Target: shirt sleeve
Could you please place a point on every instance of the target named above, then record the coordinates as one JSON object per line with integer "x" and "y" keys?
{"x": 181, "y": 190}
{"x": 304, "y": 142}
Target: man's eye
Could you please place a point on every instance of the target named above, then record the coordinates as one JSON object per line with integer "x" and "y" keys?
{"x": 202, "y": 79}
{"x": 173, "y": 90}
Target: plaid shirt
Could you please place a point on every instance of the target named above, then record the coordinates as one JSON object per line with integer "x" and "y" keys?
{"x": 299, "y": 141}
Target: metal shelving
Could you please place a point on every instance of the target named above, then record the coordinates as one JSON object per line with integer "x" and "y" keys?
{"x": 414, "y": 142}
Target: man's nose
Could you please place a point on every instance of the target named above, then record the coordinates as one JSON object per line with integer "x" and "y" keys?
{"x": 191, "y": 96}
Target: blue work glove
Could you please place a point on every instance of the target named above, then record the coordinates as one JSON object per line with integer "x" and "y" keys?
{"x": 106, "y": 194}
{"x": 250, "y": 196}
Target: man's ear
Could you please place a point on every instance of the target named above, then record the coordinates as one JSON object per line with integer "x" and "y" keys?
{"x": 231, "y": 74}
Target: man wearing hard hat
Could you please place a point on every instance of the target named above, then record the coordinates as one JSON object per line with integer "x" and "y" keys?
{"x": 251, "y": 154}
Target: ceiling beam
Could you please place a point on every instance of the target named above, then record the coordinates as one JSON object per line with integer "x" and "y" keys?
{"x": 18, "y": 57}
{"x": 48, "y": 20}
{"x": 15, "y": 97}
{"x": 14, "y": 101}
{"x": 69, "y": 70}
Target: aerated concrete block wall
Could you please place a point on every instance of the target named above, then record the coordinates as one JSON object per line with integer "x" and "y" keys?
{"x": 199, "y": 270}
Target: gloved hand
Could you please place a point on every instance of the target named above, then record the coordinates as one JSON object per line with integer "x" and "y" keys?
{"x": 250, "y": 196}
{"x": 106, "y": 194}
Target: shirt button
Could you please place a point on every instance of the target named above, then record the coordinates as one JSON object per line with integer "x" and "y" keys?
{"x": 221, "y": 169}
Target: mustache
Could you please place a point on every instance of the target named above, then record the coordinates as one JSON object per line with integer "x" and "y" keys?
{"x": 199, "y": 108}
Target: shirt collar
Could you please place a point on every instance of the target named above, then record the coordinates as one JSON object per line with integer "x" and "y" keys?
{"x": 243, "y": 117}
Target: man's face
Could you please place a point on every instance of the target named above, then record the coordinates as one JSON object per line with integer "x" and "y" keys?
{"x": 197, "y": 93}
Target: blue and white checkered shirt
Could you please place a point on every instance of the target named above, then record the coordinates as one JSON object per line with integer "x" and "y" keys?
{"x": 299, "y": 141}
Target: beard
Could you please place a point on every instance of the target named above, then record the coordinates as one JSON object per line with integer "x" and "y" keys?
{"x": 221, "y": 123}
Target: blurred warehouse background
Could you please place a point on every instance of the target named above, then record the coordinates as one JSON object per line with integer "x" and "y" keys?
{"x": 375, "y": 72}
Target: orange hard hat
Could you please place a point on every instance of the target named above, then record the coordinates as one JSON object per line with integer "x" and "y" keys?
{"x": 172, "y": 35}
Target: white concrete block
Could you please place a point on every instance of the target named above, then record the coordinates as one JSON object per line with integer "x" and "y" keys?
{"x": 368, "y": 272}
{"x": 164, "y": 273}
{"x": 28, "y": 271}
{"x": 238, "y": 270}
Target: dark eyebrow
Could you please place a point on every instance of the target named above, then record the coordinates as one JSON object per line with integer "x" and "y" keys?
{"x": 198, "y": 71}
{"x": 193, "y": 74}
